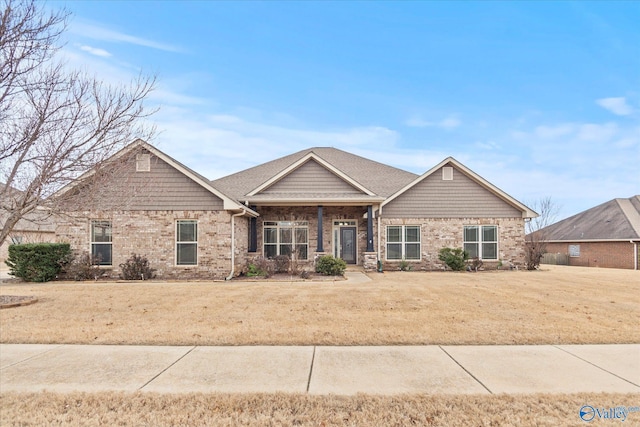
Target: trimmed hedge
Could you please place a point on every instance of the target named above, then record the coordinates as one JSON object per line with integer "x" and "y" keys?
{"x": 38, "y": 262}
{"x": 330, "y": 266}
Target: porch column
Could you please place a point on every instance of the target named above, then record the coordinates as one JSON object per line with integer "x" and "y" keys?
{"x": 370, "y": 228}
{"x": 320, "y": 244}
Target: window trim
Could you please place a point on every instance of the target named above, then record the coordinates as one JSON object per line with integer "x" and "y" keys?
{"x": 574, "y": 250}
{"x": 186, "y": 242}
{"x": 480, "y": 242}
{"x": 283, "y": 225}
{"x": 403, "y": 243}
{"x": 92, "y": 242}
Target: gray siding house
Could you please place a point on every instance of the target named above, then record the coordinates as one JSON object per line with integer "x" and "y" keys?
{"x": 314, "y": 202}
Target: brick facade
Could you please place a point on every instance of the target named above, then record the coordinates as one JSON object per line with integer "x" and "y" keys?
{"x": 437, "y": 233}
{"x": 153, "y": 234}
{"x": 598, "y": 254}
{"x": 310, "y": 214}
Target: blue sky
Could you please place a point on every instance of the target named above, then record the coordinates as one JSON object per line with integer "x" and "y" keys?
{"x": 540, "y": 98}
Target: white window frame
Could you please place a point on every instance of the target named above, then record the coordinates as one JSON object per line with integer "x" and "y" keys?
{"x": 481, "y": 242}
{"x": 279, "y": 244}
{"x": 404, "y": 242}
{"x": 179, "y": 242}
{"x": 93, "y": 242}
{"x": 574, "y": 251}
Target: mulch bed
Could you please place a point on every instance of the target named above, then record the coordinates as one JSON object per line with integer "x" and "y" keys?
{"x": 7, "y": 301}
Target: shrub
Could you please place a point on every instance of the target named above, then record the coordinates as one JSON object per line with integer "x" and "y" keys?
{"x": 261, "y": 266}
{"x": 84, "y": 267}
{"x": 282, "y": 264}
{"x": 454, "y": 258}
{"x": 38, "y": 262}
{"x": 405, "y": 266}
{"x": 330, "y": 266}
{"x": 137, "y": 268}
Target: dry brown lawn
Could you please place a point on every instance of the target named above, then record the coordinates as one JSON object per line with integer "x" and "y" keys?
{"x": 558, "y": 305}
{"x": 143, "y": 409}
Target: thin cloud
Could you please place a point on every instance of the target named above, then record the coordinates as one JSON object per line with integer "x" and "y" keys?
{"x": 450, "y": 122}
{"x": 617, "y": 106}
{"x": 95, "y": 51}
{"x": 97, "y": 32}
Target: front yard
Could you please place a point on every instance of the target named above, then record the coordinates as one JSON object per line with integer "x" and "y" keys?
{"x": 568, "y": 305}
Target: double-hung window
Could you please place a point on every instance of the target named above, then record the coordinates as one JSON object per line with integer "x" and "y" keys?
{"x": 187, "y": 242}
{"x": 481, "y": 241}
{"x": 286, "y": 238}
{"x": 101, "y": 246}
{"x": 403, "y": 242}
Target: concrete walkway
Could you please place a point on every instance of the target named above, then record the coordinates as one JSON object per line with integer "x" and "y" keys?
{"x": 322, "y": 370}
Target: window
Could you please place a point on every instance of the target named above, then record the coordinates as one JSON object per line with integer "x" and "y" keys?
{"x": 403, "y": 242}
{"x": 187, "y": 242}
{"x": 285, "y": 237}
{"x": 481, "y": 241}
{"x": 574, "y": 250}
{"x": 16, "y": 240}
{"x": 101, "y": 247}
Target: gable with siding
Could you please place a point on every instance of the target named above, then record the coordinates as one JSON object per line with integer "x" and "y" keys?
{"x": 311, "y": 177}
{"x": 460, "y": 197}
{"x": 162, "y": 187}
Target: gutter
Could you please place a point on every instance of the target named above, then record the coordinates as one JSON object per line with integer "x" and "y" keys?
{"x": 233, "y": 243}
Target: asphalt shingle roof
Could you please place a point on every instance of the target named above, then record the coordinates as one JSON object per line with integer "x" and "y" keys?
{"x": 381, "y": 179}
{"x": 617, "y": 219}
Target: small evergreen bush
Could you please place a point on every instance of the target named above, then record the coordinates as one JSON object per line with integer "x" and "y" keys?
{"x": 454, "y": 258}
{"x": 136, "y": 268}
{"x": 84, "y": 267}
{"x": 330, "y": 266}
{"x": 38, "y": 262}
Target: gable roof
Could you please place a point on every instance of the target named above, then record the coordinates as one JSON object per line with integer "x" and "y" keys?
{"x": 526, "y": 211}
{"x": 617, "y": 219}
{"x": 228, "y": 202}
{"x": 376, "y": 180}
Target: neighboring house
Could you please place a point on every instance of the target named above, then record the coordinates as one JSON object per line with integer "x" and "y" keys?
{"x": 604, "y": 236}
{"x": 314, "y": 202}
{"x": 35, "y": 227}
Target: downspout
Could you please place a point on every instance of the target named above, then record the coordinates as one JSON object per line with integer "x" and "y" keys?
{"x": 635, "y": 254}
{"x": 233, "y": 244}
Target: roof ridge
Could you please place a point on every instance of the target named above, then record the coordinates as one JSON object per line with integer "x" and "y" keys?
{"x": 631, "y": 213}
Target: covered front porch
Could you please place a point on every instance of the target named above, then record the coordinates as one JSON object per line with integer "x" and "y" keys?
{"x": 307, "y": 232}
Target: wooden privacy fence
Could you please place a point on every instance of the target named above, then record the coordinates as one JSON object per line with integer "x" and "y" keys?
{"x": 555, "y": 259}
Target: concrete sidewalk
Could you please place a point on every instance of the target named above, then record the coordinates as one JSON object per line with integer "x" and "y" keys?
{"x": 322, "y": 370}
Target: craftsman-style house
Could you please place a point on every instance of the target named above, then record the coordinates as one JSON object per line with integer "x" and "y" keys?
{"x": 314, "y": 202}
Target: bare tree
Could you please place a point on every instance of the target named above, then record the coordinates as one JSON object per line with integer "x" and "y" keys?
{"x": 536, "y": 236}
{"x": 55, "y": 123}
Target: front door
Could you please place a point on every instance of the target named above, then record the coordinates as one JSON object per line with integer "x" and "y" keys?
{"x": 348, "y": 244}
